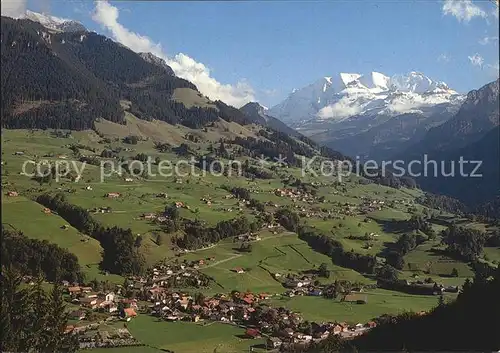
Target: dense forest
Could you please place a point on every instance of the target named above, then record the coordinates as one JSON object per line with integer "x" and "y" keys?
{"x": 442, "y": 202}
{"x": 198, "y": 235}
{"x": 464, "y": 243}
{"x": 489, "y": 211}
{"x": 40, "y": 89}
{"x": 67, "y": 80}
{"x": 448, "y": 327}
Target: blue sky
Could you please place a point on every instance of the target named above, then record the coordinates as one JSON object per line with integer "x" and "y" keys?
{"x": 271, "y": 47}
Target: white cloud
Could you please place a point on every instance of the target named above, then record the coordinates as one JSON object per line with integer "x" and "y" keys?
{"x": 444, "y": 58}
{"x": 487, "y": 40}
{"x": 341, "y": 109}
{"x": 476, "y": 60}
{"x": 183, "y": 65}
{"x": 13, "y": 8}
{"x": 463, "y": 10}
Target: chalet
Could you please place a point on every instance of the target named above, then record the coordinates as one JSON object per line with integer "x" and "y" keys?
{"x": 183, "y": 302}
{"x": 112, "y": 195}
{"x": 12, "y": 193}
{"x": 107, "y": 306}
{"x": 247, "y": 300}
{"x": 320, "y": 331}
{"x": 344, "y": 326}
{"x": 128, "y": 180}
{"x": 302, "y": 337}
{"x": 19, "y": 153}
{"x": 86, "y": 289}
{"x": 89, "y": 302}
{"x": 316, "y": 292}
{"x": 129, "y": 312}
{"x": 238, "y": 270}
{"x": 47, "y": 210}
{"x": 77, "y": 315}
{"x": 287, "y": 332}
{"x": 148, "y": 216}
{"x": 212, "y": 303}
{"x": 336, "y": 329}
{"x": 74, "y": 290}
{"x": 172, "y": 317}
{"x": 179, "y": 204}
{"x": 356, "y": 298}
{"x": 130, "y": 303}
{"x": 108, "y": 296}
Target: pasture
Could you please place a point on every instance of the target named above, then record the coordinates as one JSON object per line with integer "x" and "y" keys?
{"x": 188, "y": 337}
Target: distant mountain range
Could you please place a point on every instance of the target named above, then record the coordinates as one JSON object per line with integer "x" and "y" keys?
{"x": 404, "y": 118}
{"x": 351, "y": 96}
{"x": 369, "y": 115}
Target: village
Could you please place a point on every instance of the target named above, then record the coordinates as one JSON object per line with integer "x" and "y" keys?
{"x": 154, "y": 295}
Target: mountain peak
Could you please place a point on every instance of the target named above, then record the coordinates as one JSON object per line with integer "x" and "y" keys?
{"x": 255, "y": 105}
{"x": 254, "y": 108}
{"x": 346, "y": 95}
{"x": 155, "y": 60}
{"x": 54, "y": 23}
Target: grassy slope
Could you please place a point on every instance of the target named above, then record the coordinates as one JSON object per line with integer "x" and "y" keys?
{"x": 379, "y": 302}
{"x": 283, "y": 253}
{"x": 190, "y": 337}
{"x": 22, "y": 214}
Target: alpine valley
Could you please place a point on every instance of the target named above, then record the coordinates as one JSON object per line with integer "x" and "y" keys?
{"x": 140, "y": 215}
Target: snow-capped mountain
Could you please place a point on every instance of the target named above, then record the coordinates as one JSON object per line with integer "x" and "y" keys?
{"x": 54, "y": 23}
{"x": 350, "y": 95}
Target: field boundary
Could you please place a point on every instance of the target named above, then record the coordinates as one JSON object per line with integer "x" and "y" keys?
{"x": 298, "y": 252}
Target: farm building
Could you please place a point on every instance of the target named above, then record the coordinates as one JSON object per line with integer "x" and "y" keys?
{"x": 112, "y": 195}
{"x": 356, "y": 298}
{"x": 252, "y": 333}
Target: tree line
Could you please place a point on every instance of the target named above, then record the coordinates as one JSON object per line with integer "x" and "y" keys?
{"x": 120, "y": 253}
{"x": 39, "y": 258}
{"x": 197, "y": 234}
{"x": 325, "y": 244}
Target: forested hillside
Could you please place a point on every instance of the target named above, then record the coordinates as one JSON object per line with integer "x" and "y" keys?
{"x": 67, "y": 80}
